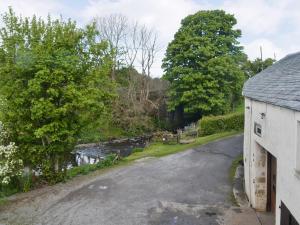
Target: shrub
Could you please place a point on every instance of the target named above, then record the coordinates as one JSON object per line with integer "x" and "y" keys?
{"x": 110, "y": 160}
{"x": 10, "y": 165}
{"x": 216, "y": 124}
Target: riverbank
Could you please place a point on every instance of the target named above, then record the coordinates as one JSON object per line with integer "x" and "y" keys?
{"x": 159, "y": 149}
{"x": 155, "y": 149}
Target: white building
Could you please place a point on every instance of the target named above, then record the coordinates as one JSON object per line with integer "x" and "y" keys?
{"x": 272, "y": 140}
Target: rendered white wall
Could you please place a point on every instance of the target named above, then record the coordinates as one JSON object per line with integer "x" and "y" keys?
{"x": 280, "y": 138}
{"x": 247, "y": 147}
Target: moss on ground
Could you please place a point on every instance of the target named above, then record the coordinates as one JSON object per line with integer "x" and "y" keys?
{"x": 235, "y": 163}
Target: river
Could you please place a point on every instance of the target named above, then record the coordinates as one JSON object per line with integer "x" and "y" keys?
{"x": 95, "y": 152}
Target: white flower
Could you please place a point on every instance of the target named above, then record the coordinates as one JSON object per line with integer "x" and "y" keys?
{"x": 10, "y": 165}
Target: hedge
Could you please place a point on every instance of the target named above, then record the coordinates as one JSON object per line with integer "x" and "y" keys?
{"x": 216, "y": 124}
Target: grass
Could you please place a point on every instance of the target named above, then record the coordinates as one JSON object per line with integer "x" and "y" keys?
{"x": 3, "y": 201}
{"x": 235, "y": 163}
{"x": 240, "y": 108}
{"x": 156, "y": 149}
{"x": 87, "y": 168}
{"x": 7, "y": 191}
{"x": 92, "y": 134}
{"x": 159, "y": 149}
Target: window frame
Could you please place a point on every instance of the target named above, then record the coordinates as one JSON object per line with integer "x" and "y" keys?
{"x": 257, "y": 127}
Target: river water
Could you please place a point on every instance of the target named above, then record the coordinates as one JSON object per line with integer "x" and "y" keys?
{"x": 95, "y": 152}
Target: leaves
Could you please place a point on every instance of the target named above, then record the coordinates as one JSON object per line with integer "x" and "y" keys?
{"x": 53, "y": 76}
{"x": 254, "y": 67}
{"x": 202, "y": 64}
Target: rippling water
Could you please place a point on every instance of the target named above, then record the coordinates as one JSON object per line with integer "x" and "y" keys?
{"x": 93, "y": 153}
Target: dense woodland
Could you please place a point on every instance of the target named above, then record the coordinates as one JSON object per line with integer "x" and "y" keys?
{"x": 61, "y": 84}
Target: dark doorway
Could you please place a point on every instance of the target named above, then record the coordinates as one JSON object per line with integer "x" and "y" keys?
{"x": 272, "y": 177}
{"x": 286, "y": 216}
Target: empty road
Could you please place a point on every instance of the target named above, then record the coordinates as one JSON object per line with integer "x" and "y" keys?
{"x": 187, "y": 188}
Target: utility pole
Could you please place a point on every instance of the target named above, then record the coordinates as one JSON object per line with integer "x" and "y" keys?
{"x": 261, "y": 59}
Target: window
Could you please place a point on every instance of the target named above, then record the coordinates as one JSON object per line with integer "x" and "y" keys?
{"x": 257, "y": 129}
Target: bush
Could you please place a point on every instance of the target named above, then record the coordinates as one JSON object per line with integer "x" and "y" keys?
{"x": 10, "y": 165}
{"x": 216, "y": 124}
{"x": 110, "y": 160}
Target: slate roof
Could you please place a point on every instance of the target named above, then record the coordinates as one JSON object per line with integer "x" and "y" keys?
{"x": 279, "y": 84}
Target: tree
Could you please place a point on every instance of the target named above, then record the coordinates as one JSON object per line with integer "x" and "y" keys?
{"x": 54, "y": 81}
{"x": 254, "y": 67}
{"x": 131, "y": 46}
{"x": 113, "y": 29}
{"x": 203, "y": 64}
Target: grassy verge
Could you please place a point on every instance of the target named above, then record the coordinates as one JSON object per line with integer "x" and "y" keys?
{"x": 160, "y": 149}
{"x": 236, "y": 162}
{"x": 110, "y": 161}
{"x": 156, "y": 149}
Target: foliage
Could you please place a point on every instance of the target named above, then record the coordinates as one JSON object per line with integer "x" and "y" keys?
{"x": 254, "y": 67}
{"x": 27, "y": 182}
{"x": 140, "y": 97}
{"x": 103, "y": 132}
{"x": 240, "y": 108}
{"x": 11, "y": 166}
{"x": 132, "y": 113}
{"x": 216, "y": 124}
{"x": 203, "y": 64}
{"x": 109, "y": 161}
{"x": 54, "y": 81}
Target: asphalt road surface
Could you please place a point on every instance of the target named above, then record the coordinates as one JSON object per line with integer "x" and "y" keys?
{"x": 187, "y": 188}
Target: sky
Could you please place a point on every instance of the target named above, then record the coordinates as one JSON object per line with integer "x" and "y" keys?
{"x": 272, "y": 24}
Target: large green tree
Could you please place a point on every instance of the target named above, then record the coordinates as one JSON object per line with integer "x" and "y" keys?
{"x": 203, "y": 64}
{"x": 54, "y": 80}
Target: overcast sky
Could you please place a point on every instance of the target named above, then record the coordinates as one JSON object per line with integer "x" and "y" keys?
{"x": 272, "y": 24}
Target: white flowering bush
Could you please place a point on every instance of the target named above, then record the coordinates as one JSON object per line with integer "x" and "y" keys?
{"x": 10, "y": 165}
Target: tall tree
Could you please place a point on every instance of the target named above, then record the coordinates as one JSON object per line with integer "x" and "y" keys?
{"x": 202, "y": 64}
{"x": 54, "y": 80}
